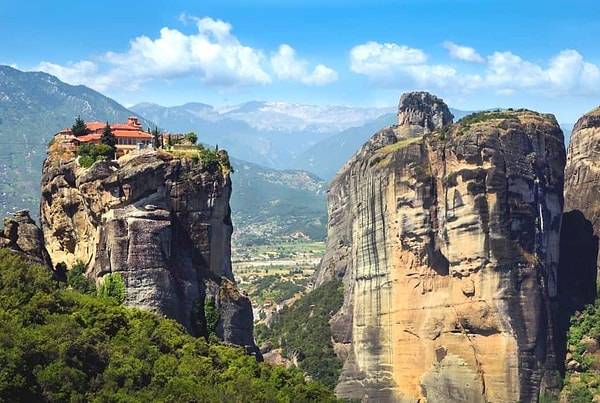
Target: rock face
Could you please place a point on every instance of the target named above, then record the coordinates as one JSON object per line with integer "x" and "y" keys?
{"x": 447, "y": 245}
{"x": 582, "y": 177}
{"x": 22, "y": 235}
{"x": 162, "y": 222}
{"x": 579, "y": 259}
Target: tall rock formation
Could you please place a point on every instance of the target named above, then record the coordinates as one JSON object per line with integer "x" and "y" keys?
{"x": 447, "y": 238}
{"x": 582, "y": 186}
{"x": 579, "y": 259}
{"x": 21, "y": 235}
{"x": 160, "y": 221}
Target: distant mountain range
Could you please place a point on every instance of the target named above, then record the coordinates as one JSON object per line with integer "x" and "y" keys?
{"x": 273, "y": 134}
{"x": 283, "y": 153}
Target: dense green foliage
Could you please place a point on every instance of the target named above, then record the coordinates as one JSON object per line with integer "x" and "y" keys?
{"x": 483, "y": 116}
{"x": 113, "y": 287}
{"x": 59, "y": 345}
{"x": 582, "y": 380}
{"x": 211, "y": 314}
{"x": 90, "y": 153}
{"x": 191, "y": 137}
{"x": 77, "y": 280}
{"x": 303, "y": 331}
{"x": 276, "y": 287}
{"x": 213, "y": 160}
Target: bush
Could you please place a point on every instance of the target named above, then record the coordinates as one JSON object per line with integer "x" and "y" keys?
{"x": 113, "y": 287}
{"x": 90, "y": 153}
{"x": 77, "y": 280}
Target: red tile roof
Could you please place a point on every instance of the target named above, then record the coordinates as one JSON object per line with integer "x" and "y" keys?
{"x": 89, "y": 137}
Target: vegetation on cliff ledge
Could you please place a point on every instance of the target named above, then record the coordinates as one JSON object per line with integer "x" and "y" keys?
{"x": 582, "y": 378}
{"x": 302, "y": 332}
{"x": 58, "y": 345}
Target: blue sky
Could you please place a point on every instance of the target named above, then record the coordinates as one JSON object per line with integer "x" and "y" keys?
{"x": 475, "y": 54}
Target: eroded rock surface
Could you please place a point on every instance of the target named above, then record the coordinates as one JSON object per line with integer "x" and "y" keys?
{"x": 162, "y": 222}
{"x": 23, "y": 236}
{"x": 582, "y": 177}
{"x": 448, "y": 245}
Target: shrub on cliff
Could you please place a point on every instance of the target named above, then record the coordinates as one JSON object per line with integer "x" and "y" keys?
{"x": 582, "y": 378}
{"x": 113, "y": 287}
{"x": 59, "y": 345}
{"x": 90, "y": 153}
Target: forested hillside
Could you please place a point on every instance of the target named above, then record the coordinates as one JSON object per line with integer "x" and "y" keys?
{"x": 58, "y": 344}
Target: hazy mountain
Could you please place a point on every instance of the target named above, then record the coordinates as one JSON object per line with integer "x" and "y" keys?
{"x": 272, "y": 134}
{"x": 326, "y": 157}
{"x": 271, "y": 116}
{"x": 567, "y": 128}
{"x": 275, "y": 204}
{"x": 33, "y": 107}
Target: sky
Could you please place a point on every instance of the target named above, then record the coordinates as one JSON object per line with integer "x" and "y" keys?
{"x": 475, "y": 54}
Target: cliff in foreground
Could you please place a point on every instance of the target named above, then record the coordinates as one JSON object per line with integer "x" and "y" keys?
{"x": 160, "y": 221}
{"x": 446, "y": 237}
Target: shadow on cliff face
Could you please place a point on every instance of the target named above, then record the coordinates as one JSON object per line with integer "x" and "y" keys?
{"x": 576, "y": 274}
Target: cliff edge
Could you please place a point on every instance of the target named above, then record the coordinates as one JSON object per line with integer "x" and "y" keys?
{"x": 446, "y": 237}
{"x": 163, "y": 223}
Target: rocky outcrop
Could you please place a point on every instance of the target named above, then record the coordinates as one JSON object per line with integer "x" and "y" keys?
{"x": 23, "y": 236}
{"x": 160, "y": 221}
{"x": 447, "y": 245}
{"x": 582, "y": 173}
{"x": 420, "y": 113}
{"x": 579, "y": 259}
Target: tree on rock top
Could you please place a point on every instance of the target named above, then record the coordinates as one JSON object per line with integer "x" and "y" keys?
{"x": 108, "y": 137}
{"x": 79, "y": 128}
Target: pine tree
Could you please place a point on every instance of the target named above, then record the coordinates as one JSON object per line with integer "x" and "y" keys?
{"x": 108, "y": 137}
{"x": 79, "y": 128}
{"x": 155, "y": 138}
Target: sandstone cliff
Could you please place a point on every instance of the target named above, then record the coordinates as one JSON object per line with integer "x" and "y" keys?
{"x": 23, "y": 236}
{"x": 160, "y": 221}
{"x": 582, "y": 184}
{"x": 446, "y": 238}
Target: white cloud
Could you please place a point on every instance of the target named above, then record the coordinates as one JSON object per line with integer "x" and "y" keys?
{"x": 287, "y": 67}
{"x": 504, "y": 73}
{"x": 568, "y": 70}
{"x": 374, "y": 58}
{"x": 83, "y": 72}
{"x": 212, "y": 54}
{"x": 504, "y": 69}
{"x": 465, "y": 53}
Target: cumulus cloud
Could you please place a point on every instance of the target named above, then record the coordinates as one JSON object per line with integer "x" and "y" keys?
{"x": 84, "y": 72}
{"x": 287, "y": 67}
{"x": 213, "y": 54}
{"x": 504, "y": 73}
{"x": 465, "y": 53}
{"x": 374, "y": 58}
